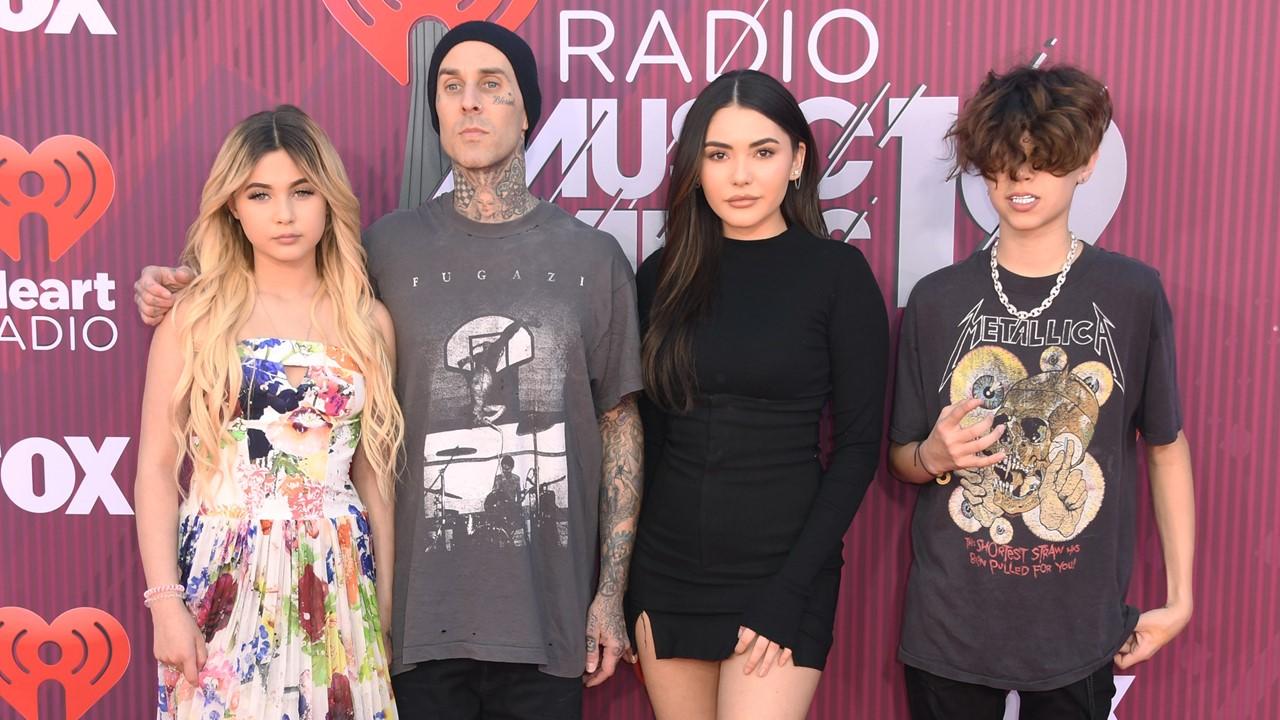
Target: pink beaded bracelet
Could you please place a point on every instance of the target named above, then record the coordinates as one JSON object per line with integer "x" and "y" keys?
{"x": 160, "y": 592}
{"x": 160, "y": 596}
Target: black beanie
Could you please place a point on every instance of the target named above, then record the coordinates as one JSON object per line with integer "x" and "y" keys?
{"x": 518, "y": 53}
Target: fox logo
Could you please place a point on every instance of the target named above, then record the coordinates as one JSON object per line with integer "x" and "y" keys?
{"x": 383, "y": 30}
{"x": 75, "y": 188}
{"x": 62, "y": 17}
{"x": 93, "y": 655}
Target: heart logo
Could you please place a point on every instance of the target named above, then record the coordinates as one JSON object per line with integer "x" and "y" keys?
{"x": 383, "y": 29}
{"x": 93, "y": 652}
{"x": 76, "y": 186}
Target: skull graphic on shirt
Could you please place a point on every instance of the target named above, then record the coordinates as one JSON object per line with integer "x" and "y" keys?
{"x": 1047, "y": 475}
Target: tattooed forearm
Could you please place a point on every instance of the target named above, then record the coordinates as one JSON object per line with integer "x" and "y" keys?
{"x": 494, "y": 194}
{"x": 620, "y": 495}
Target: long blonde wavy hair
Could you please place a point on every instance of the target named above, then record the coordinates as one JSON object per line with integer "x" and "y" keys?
{"x": 213, "y": 308}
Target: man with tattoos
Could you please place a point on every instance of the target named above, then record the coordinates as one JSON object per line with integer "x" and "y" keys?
{"x": 488, "y": 279}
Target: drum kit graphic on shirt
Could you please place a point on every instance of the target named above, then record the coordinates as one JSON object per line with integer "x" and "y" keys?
{"x": 515, "y": 510}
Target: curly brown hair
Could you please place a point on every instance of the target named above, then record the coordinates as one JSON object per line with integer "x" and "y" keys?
{"x": 1049, "y": 118}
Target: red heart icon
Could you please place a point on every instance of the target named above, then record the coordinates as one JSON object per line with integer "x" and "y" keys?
{"x": 93, "y": 654}
{"x": 383, "y": 30}
{"x": 76, "y": 188}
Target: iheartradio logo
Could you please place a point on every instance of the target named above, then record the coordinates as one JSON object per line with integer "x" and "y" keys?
{"x": 382, "y": 26}
{"x": 74, "y": 185}
{"x": 93, "y": 652}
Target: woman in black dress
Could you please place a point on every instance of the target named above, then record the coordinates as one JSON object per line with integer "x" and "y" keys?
{"x": 753, "y": 321}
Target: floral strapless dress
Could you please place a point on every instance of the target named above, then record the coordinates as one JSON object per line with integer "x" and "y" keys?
{"x": 278, "y": 558}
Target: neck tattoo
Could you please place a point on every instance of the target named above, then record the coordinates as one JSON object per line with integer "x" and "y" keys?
{"x": 493, "y": 195}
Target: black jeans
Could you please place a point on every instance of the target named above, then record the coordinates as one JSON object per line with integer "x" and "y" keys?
{"x": 461, "y": 689}
{"x": 936, "y": 698}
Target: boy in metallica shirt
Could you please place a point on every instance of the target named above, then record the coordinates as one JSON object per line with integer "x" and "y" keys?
{"x": 1025, "y": 375}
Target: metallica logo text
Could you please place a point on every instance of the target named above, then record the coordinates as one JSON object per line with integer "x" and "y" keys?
{"x": 977, "y": 328}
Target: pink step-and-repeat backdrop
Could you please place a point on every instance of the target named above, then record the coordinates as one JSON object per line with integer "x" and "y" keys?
{"x": 111, "y": 112}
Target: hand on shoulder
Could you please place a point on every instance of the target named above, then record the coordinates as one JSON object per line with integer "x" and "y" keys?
{"x": 155, "y": 290}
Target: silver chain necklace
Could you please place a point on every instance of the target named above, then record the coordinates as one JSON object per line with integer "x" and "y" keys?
{"x": 1053, "y": 293}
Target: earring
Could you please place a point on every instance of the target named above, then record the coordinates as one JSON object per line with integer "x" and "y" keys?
{"x": 796, "y": 181}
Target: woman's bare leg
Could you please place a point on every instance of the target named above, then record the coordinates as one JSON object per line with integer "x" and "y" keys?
{"x": 679, "y": 688}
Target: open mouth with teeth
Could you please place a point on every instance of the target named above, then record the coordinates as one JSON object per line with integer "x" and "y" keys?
{"x": 1017, "y": 486}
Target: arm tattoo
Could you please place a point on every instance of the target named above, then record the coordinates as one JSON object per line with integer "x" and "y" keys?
{"x": 494, "y": 194}
{"x": 620, "y": 494}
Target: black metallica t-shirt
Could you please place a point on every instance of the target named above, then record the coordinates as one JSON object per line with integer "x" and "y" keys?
{"x": 1020, "y": 571}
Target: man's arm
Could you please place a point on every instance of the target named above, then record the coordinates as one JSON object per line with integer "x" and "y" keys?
{"x": 1169, "y": 467}
{"x": 620, "y": 492}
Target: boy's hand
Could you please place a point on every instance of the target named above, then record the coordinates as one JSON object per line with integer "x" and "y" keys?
{"x": 1155, "y": 629}
{"x": 951, "y": 447}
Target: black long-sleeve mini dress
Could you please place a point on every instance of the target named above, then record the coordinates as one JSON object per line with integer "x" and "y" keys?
{"x": 740, "y": 524}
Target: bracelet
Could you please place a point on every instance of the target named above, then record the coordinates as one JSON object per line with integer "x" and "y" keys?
{"x": 161, "y": 592}
{"x": 920, "y": 459}
{"x": 149, "y": 602}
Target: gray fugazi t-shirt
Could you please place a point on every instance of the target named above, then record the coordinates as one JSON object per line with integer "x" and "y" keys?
{"x": 511, "y": 338}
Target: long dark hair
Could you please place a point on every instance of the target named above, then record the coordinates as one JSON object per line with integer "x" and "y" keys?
{"x": 691, "y": 256}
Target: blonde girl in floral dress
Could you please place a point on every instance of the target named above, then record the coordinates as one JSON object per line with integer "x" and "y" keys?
{"x": 271, "y": 382}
